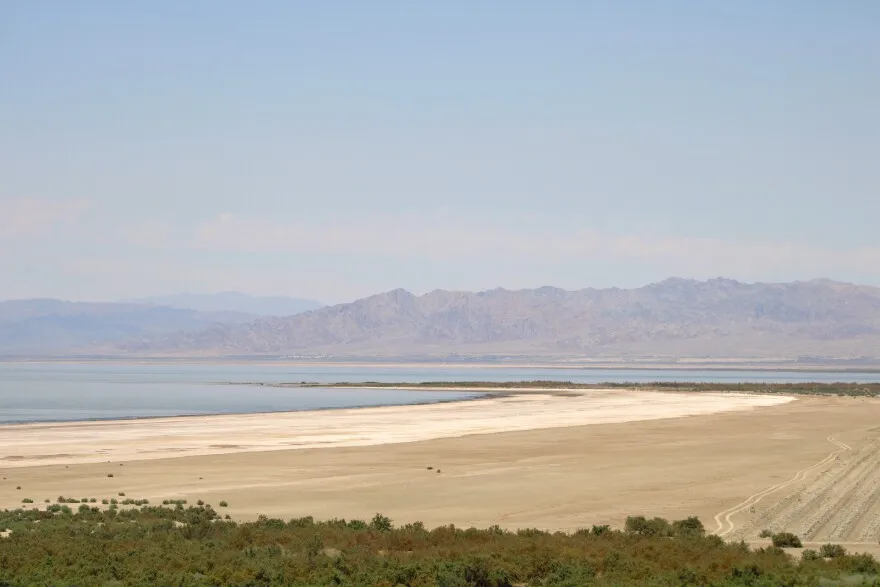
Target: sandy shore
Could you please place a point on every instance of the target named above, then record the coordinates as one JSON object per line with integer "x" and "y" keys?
{"x": 96, "y": 442}
{"x": 561, "y": 478}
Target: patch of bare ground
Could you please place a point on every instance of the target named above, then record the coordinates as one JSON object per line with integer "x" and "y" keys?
{"x": 837, "y": 501}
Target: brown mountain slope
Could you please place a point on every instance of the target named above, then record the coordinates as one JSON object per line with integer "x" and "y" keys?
{"x": 719, "y": 317}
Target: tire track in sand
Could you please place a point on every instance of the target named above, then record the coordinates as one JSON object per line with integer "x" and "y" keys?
{"x": 839, "y": 503}
{"x": 724, "y": 519}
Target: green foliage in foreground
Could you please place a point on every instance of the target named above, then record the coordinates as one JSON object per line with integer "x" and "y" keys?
{"x": 801, "y": 388}
{"x": 786, "y": 540}
{"x": 193, "y": 547}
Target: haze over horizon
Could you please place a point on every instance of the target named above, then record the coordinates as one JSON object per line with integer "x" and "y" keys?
{"x": 339, "y": 150}
{"x": 223, "y": 299}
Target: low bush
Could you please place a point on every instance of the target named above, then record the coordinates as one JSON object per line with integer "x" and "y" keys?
{"x": 786, "y": 540}
{"x": 688, "y": 527}
{"x": 863, "y": 563}
{"x": 832, "y": 551}
{"x": 154, "y": 545}
{"x": 641, "y": 526}
{"x": 379, "y": 523}
{"x": 810, "y": 555}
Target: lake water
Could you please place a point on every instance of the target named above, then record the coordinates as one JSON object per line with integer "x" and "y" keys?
{"x": 47, "y": 392}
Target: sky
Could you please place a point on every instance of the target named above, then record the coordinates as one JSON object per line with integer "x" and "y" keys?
{"x": 337, "y": 149}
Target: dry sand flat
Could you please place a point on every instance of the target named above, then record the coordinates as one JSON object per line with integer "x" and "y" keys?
{"x": 837, "y": 499}
{"x": 95, "y": 442}
{"x": 557, "y": 478}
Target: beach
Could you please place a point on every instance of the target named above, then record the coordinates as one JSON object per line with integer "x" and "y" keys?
{"x": 533, "y": 408}
{"x": 557, "y": 462}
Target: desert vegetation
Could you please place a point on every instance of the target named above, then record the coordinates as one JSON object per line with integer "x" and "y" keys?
{"x": 155, "y": 545}
{"x": 786, "y": 540}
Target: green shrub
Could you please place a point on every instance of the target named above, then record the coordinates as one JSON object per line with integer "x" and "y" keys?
{"x": 27, "y": 500}
{"x": 223, "y": 504}
{"x": 688, "y": 527}
{"x": 832, "y": 551}
{"x": 810, "y": 555}
{"x": 863, "y": 563}
{"x": 765, "y": 533}
{"x": 301, "y": 522}
{"x": 786, "y": 540}
{"x": 381, "y": 523}
{"x": 641, "y": 526}
{"x": 193, "y": 546}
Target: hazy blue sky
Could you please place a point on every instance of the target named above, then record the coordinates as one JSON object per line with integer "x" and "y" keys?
{"x": 339, "y": 148}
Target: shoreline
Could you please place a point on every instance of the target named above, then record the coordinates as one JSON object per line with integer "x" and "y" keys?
{"x": 29, "y": 445}
{"x": 466, "y": 391}
{"x": 556, "y": 479}
{"x": 708, "y": 366}
{"x": 473, "y": 394}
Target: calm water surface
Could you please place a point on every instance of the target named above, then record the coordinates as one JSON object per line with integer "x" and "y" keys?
{"x": 45, "y": 392}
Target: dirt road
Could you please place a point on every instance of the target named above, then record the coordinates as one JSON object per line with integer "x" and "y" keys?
{"x": 724, "y": 520}
{"x": 835, "y": 500}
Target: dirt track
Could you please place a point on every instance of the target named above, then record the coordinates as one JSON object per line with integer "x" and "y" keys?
{"x": 724, "y": 520}
{"x": 837, "y": 499}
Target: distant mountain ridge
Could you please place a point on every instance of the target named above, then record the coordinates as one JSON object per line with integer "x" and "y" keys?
{"x": 718, "y": 317}
{"x": 46, "y": 326}
{"x": 231, "y": 301}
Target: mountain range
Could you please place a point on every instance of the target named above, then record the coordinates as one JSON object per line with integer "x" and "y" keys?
{"x": 49, "y": 327}
{"x": 233, "y": 301}
{"x": 43, "y": 327}
{"x": 672, "y": 318}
